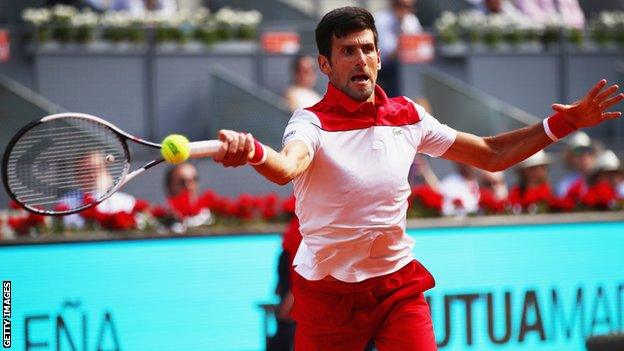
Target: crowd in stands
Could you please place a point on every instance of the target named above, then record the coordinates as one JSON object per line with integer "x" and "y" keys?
{"x": 595, "y": 179}
{"x": 539, "y": 11}
{"x": 135, "y": 7}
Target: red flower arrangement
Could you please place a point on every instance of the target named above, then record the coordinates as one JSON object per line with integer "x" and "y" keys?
{"x": 600, "y": 196}
{"x": 533, "y": 199}
{"x": 490, "y": 204}
{"x": 21, "y": 225}
{"x": 425, "y": 202}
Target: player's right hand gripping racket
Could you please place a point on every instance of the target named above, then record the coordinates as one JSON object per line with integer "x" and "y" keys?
{"x": 68, "y": 162}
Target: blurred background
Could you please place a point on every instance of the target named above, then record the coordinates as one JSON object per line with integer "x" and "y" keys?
{"x": 189, "y": 256}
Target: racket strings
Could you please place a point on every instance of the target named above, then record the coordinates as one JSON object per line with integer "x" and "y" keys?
{"x": 66, "y": 163}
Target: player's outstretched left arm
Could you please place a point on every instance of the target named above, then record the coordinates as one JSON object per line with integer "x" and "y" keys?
{"x": 502, "y": 151}
{"x": 279, "y": 167}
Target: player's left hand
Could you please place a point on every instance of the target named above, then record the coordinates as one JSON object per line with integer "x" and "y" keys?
{"x": 591, "y": 109}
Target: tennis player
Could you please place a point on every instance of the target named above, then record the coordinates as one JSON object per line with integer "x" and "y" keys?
{"x": 348, "y": 157}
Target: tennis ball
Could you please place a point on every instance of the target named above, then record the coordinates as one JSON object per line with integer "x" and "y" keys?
{"x": 175, "y": 148}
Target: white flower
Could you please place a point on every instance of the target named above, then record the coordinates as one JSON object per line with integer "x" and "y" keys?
{"x": 529, "y": 25}
{"x": 62, "y": 11}
{"x": 199, "y": 17}
{"x": 608, "y": 19}
{"x": 117, "y": 19}
{"x": 554, "y": 22}
{"x": 445, "y": 21}
{"x": 470, "y": 20}
{"x": 496, "y": 22}
{"x": 37, "y": 17}
{"x": 226, "y": 15}
{"x": 85, "y": 18}
{"x": 155, "y": 18}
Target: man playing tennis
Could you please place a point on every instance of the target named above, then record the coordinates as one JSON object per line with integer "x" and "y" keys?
{"x": 349, "y": 157}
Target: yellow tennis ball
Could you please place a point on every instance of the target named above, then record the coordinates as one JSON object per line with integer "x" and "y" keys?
{"x": 175, "y": 148}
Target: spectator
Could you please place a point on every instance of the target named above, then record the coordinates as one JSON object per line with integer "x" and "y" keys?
{"x": 579, "y": 159}
{"x": 501, "y": 7}
{"x": 184, "y": 200}
{"x": 494, "y": 182}
{"x": 533, "y": 186}
{"x": 493, "y": 192}
{"x": 391, "y": 23}
{"x": 460, "y": 190}
{"x": 93, "y": 171}
{"x": 544, "y": 11}
{"x": 607, "y": 170}
{"x": 180, "y": 178}
{"x": 301, "y": 93}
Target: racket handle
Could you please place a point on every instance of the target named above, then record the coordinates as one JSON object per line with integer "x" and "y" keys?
{"x": 204, "y": 148}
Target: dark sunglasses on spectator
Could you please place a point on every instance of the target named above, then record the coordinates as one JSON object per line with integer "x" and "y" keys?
{"x": 582, "y": 150}
{"x": 192, "y": 179}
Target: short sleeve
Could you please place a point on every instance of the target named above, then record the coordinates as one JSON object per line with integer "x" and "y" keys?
{"x": 436, "y": 137}
{"x": 303, "y": 126}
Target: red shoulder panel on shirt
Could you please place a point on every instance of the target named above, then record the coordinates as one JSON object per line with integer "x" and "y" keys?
{"x": 338, "y": 112}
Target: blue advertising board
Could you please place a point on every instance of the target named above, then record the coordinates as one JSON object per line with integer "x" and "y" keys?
{"x": 524, "y": 287}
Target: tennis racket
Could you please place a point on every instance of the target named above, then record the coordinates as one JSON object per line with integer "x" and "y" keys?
{"x": 68, "y": 162}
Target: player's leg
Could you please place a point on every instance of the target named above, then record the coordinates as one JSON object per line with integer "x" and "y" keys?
{"x": 330, "y": 321}
{"x": 407, "y": 327}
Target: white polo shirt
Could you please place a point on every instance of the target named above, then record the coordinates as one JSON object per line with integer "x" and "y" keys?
{"x": 352, "y": 199}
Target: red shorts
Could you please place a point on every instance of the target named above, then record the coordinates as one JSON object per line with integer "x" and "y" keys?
{"x": 391, "y": 310}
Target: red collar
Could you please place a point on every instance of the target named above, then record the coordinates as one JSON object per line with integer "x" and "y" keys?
{"x": 337, "y": 97}
{"x": 339, "y": 112}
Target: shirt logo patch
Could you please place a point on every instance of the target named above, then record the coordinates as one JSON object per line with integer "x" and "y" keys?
{"x": 397, "y": 131}
{"x": 291, "y": 133}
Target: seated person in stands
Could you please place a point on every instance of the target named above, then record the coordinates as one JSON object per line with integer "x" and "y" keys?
{"x": 183, "y": 198}
{"x": 180, "y": 178}
{"x": 545, "y": 11}
{"x": 398, "y": 19}
{"x": 301, "y": 93}
{"x": 533, "y": 187}
{"x": 579, "y": 158}
{"x": 95, "y": 178}
{"x": 494, "y": 182}
{"x": 608, "y": 171}
{"x": 460, "y": 190}
{"x": 503, "y": 7}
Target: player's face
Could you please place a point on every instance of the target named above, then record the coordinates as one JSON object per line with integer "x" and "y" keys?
{"x": 353, "y": 65}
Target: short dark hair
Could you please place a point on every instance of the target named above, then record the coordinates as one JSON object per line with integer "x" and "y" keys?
{"x": 169, "y": 175}
{"x": 340, "y": 23}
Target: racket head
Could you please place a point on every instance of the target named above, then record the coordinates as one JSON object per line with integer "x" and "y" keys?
{"x": 65, "y": 163}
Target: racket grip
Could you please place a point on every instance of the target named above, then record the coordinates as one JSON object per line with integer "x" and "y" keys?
{"x": 204, "y": 148}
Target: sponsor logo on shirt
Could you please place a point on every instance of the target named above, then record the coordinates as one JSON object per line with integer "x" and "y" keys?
{"x": 288, "y": 135}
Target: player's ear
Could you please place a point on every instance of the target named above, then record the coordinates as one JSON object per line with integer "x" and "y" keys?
{"x": 324, "y": 64}
{"x": 378, "y": 59}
